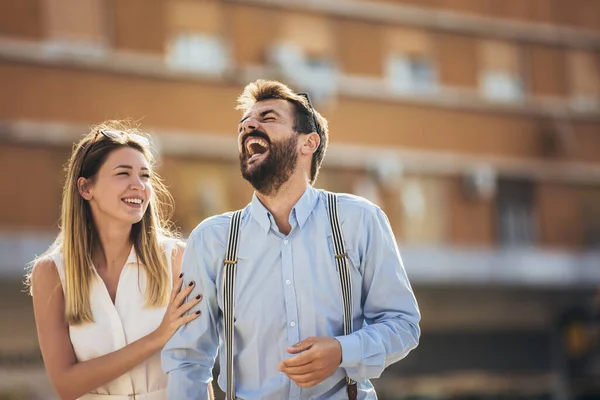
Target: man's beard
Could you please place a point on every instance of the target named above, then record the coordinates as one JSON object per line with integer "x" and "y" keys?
{"x": 275, "y": 170}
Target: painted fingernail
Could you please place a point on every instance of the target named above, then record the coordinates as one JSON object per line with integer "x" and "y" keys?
{"x": 198, "y": 312}
{"x": 191, "y": 283}
{"x": 181, "y": 275}
{"x": 198, "y": 297}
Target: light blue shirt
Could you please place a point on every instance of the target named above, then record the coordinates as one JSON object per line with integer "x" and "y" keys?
{"x": 287, "y": 289}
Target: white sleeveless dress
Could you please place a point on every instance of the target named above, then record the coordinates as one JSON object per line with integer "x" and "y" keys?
{"x": 116, "y": 325}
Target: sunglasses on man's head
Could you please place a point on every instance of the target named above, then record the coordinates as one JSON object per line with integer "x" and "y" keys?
{"x": 312, "y": 110}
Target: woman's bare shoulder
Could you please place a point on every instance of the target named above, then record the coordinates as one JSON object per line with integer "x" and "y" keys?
{"x": 44, "y": 271}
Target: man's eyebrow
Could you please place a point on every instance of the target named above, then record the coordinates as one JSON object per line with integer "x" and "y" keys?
{"x": 262, "y": 114}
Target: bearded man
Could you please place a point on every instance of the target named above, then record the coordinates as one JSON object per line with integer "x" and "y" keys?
{"x": 305, "y": 294}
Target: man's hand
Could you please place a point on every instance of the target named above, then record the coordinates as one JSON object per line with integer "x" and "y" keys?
{"x": 318, "y": 359}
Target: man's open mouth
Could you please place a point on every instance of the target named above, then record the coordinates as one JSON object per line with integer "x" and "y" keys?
{"x": 256, "y": 147}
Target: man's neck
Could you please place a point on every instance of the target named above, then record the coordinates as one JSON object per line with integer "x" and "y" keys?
{"x": 280, "y": 204}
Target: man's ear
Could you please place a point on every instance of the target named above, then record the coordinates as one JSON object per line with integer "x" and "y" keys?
{"x": 83, "y": 187}
{"x": 310, "y": 144}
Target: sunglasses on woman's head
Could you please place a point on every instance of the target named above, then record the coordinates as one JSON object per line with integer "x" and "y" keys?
{"x": 109, "y": 134}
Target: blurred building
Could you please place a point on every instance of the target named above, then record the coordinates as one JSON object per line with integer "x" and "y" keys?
{"x": 475, "y": 124}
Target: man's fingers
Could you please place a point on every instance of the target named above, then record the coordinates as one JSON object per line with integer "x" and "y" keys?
{"x": 301, "y": 346}
{"x": 298, "y": 370}
{"x": 306, "y": 380}
{"x": 312, "y": 383}
{"x": 296, "y": 361}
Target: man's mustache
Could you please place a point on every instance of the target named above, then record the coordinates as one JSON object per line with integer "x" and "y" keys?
{"x": 255, "y": 133}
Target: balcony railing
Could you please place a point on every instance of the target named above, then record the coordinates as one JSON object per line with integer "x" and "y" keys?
{"x": 425, "y": 265}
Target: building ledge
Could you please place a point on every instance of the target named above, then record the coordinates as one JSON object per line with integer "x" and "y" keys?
{"x": 442, "y": 20}
{"x": 154, "y": 66}
{"x": 213, "y": 146}
{"x": 514, "y": 267}
{"x": 425, "y": 265}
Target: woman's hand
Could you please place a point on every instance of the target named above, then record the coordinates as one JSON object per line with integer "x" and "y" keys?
{"x": 174, "y": 316}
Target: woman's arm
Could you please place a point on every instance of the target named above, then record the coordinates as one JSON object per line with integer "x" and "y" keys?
{"x": 72, "y": 379}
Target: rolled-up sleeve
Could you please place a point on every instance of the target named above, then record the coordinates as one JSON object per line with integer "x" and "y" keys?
{"x": 189, "y": 356}
{"x": 390, "y": 309}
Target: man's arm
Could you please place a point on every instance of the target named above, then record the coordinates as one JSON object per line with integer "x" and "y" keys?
{"x": 189, "y": 356}
{"x": 390, "y": 307}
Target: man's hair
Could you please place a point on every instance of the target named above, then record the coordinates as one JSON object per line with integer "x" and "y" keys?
{"x": 303, "y": 119}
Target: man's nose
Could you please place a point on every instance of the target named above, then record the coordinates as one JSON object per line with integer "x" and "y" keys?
{"x": 249, "y": 125}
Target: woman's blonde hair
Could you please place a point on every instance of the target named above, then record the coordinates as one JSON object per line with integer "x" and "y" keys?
{"x": 78, "y": 236}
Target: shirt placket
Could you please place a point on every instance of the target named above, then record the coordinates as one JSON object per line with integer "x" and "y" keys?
{"x": 293, "y": 329}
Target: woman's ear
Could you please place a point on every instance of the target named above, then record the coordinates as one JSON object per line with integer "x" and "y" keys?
{"x": 311, "y": 143}
{"x": 83, "y": 188}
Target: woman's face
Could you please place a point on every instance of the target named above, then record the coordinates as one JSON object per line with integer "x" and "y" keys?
{"x": 121, "y": 190}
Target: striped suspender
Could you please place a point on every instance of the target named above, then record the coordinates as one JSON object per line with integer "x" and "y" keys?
{"x": 229, "y": 287}
{"x": 230, "y": 265}
{"x": 343, "y": 273}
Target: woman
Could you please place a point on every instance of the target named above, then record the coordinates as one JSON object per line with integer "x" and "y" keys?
{"x": 119, "y": 268}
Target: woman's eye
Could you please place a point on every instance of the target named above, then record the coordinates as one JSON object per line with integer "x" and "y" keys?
{"x": 147, "y": 176}
{"x": 123, "y": 173}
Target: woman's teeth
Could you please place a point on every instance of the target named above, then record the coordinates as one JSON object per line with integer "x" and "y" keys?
{"x": 133, "y": 201}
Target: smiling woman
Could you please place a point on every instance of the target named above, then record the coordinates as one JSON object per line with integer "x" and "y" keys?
{"x": 119, "y": 268}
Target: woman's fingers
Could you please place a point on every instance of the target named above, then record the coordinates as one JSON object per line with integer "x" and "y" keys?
{"x": 177, "y": 282}
{"x": 187, "y": 318}
{"x": 185, "y": 307}
{"x": 183, "y": 293}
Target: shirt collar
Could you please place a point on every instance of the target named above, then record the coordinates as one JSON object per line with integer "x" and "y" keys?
{"x": 132, "y": 259}
{"x": 305, "y": 205}
{"x": 302, "y": 210}
{"x": 260, "y": 213}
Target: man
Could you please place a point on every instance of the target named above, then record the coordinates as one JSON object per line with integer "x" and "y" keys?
{"x": 289, "y": 340}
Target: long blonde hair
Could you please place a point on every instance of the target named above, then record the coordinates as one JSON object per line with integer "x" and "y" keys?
{"x": 78, "y": 235}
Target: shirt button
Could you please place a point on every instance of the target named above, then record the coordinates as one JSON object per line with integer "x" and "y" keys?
{"x": 286, "y": 241}
{"x": 292, "y": 323}
{"x": 288, "y": 282}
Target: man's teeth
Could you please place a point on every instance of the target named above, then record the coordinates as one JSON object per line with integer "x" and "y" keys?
{"x": 134, "y": 201}
{"x": 259, "y": 141}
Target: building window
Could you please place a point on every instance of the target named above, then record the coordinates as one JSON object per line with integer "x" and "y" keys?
{"x": 591, "y": 218}
{"x": 500, "y": 72}
{"x": 195, "y": 36}
{"x": 410, "y": 66}
{"x": 547, "y": 72}
{"x": 198, "y": 53}
{"x": 583, "y": 70}
{"x": 424, "y": 210}
{"x": 303, "y": 53}
{"x": 410, "y": 75}
{"x": 76, "y": 27}
{"x": 517, "y": 222}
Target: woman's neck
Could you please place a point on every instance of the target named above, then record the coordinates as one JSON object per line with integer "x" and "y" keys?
{"x": 114, "y": 247}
